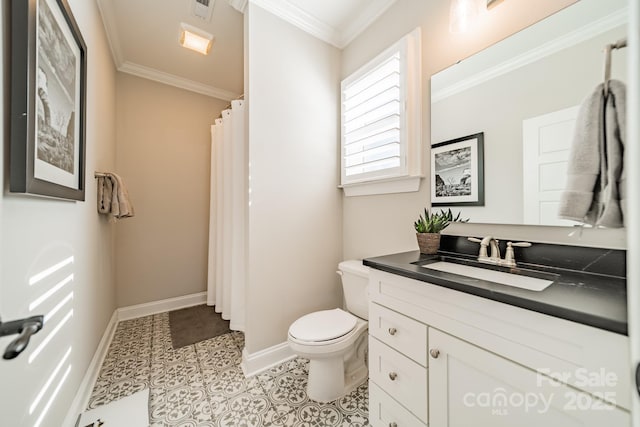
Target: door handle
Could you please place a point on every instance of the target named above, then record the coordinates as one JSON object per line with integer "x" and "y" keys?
{"x": 638, "y": 378}
{"x": 25, "y": 327}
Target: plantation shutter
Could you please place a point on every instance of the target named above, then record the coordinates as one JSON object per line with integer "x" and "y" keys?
{"x": 372, "y": 109}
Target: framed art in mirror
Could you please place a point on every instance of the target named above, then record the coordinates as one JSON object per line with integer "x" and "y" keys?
{"x": 48, "y": 98}
{"x": 457, "y": 171}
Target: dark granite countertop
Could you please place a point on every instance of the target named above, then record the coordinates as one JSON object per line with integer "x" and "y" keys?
{"x": 597, "y": 300}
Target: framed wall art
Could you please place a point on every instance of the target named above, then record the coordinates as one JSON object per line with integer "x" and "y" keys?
{"x": 48, "y": 97}
{"x": 457, "y": 172}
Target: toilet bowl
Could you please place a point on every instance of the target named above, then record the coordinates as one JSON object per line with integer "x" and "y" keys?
{"x": 335, "y": 341}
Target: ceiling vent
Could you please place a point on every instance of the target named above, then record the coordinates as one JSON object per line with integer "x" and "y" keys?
{"x": 202, "y": 9}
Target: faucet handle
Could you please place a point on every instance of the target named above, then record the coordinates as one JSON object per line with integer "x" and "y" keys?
{"x": 483, "y": 248}
{"x": 509, "y": 257}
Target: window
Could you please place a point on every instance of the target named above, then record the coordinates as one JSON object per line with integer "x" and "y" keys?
{"x": 381, "y": 117}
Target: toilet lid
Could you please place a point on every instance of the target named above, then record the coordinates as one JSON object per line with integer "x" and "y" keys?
{"x": 323, "y": 325}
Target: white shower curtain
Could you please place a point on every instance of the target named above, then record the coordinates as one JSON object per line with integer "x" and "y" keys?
{"x": 227, "y": 216}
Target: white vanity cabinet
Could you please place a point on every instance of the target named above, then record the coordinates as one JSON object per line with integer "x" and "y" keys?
{"x": 439, "y": 357}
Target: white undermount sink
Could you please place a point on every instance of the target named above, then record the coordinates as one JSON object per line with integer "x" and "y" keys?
{"x": 515, "y": 280}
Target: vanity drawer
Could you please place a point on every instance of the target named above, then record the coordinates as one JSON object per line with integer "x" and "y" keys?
{"x": 384, "y": 411}
{"x": 400, "y": 332}
{"x": 402, "y": 378}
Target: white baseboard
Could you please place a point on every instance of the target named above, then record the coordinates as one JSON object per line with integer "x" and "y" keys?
{"x": 81, "y": 400}
{"x": 253, "y": 364}
{"x": 155, "y": 307}
{"x": 83, "y": 394}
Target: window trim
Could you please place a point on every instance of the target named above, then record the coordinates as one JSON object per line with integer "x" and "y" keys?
{"x": 410, "y": 168}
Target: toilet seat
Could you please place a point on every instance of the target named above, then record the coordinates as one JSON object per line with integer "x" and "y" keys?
{"x": 324, "y": 325}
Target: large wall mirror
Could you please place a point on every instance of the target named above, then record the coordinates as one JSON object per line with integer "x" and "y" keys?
{"x": 523, "y": 94}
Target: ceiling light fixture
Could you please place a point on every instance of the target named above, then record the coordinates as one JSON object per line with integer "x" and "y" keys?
{"x": 195, "y": 39}
{"x": 462, "y": 15}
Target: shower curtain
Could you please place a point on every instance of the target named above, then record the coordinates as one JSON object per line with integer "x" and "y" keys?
{"x": 227, "y": 216}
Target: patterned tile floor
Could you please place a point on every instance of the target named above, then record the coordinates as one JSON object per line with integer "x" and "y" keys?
{"x": 203, "y": 384}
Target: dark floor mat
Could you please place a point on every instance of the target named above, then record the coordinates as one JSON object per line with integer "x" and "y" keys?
{"x": 194, "y": 324}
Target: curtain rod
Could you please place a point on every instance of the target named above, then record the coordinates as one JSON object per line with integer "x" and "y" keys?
{"x": 241, "y": 97}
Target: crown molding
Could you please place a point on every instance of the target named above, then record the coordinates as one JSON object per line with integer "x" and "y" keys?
{"x": 109, "y": 21}
{"x": 572, "y": 38}
{"x": 363, "y": 20}
{"x": 339, "y": 38}
{"x": 239, "y": 5}
{"x": 301, "y": 19}
{"x": 179, "y": 82}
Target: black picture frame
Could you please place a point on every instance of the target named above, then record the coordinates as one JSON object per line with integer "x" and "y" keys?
{"x": 457, "y": 171}
{"x": 48, "y": 101}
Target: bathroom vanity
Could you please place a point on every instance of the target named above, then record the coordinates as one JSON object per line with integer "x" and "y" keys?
{"x": 449, "y": 350}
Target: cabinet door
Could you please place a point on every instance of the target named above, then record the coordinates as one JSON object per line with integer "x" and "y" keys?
{"x": 469, "y": 386}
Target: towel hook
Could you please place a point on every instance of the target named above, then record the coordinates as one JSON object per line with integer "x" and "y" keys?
{"x": 607, "y": 61}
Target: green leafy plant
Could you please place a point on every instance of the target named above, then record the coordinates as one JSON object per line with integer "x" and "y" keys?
{"x": 435, "y": 222}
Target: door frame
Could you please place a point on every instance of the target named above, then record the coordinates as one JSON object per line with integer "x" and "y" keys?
{"x": 633, "y": 211}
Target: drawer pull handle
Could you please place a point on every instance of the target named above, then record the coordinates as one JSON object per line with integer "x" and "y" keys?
{"x": 393, "y": 424}
{"x": 393, "y": 376}
{"x": 392, "y": 331}
{"x": 434, "y": 352}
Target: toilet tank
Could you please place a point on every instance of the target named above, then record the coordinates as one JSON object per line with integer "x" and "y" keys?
{"x": 355, "y": 284}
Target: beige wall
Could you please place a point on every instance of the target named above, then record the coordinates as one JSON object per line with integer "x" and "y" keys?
{"x": 377, "y": 225}
{"x": 36, "y": 233}
{"x": 295, "y": 227}
{"x": 163, "y": 154}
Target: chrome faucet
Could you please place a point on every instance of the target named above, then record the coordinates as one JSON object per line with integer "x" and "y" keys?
{"x": 493, "y": 243}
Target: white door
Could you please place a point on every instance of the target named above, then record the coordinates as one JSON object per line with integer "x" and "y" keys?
{"x": 469, "y": 386}
{"x": 546, "y": 141}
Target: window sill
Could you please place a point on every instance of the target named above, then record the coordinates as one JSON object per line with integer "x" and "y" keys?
{"x": 405, "y": 184}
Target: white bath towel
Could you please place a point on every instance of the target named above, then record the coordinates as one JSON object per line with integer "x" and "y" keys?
{"x": 113, "y": 197}
{"x": 595, "y": 190}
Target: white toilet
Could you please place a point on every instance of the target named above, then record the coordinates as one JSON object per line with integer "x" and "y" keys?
{"x": 335, "y": 341}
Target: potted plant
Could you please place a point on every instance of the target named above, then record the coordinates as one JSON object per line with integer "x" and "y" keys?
{"x": 429, "y": 226}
